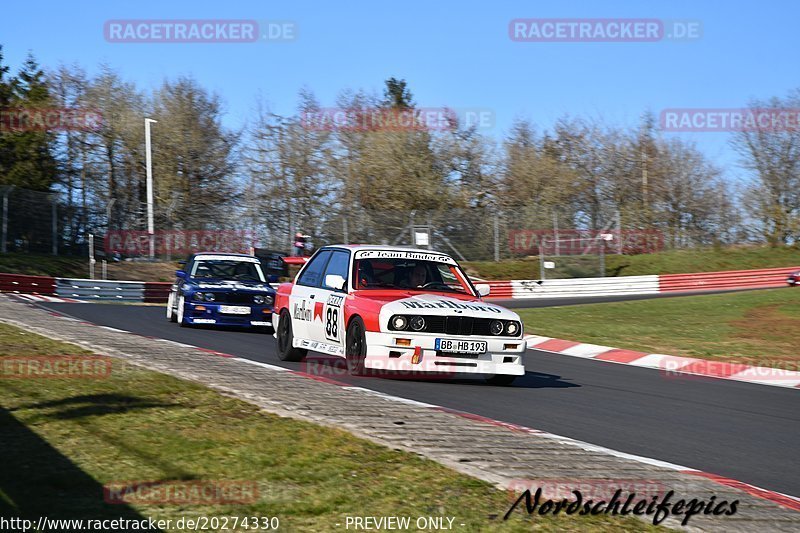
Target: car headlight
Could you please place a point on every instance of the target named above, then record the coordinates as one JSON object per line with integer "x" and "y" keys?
{"x": 417, "y": 323}
{"x": 198, "y": 296}
{"x": 512, "y": 328}
{"x": 258, "y": 299}
{"x": 399, "y": 322}
{"x": 209, "y": 297}
{"x": 496, "y": 327}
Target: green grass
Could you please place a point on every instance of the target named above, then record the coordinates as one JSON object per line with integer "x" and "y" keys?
{"x": 755, "y": 327}
{"x": 45, "y": 265}
{"x": 668, "y": 262}
{"x": 63, "y": 439}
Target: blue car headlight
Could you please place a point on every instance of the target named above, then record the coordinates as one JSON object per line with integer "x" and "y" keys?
{"x": 263, "y": 299}
{"x": 198, "y": 296}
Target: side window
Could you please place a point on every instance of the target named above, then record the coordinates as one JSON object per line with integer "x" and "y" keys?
{"x": 338, "y": 266}
{"x": 312, "y": 274}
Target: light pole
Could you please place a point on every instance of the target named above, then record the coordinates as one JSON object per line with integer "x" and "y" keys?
{"x": 149, "y": 163}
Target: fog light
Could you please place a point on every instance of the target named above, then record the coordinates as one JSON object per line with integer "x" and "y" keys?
{"x": 510, "y": 346}
{"x": 199, "y": 307}
{"x": 403, "y": 342}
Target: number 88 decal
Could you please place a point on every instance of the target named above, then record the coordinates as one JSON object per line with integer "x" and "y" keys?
{"x": 332, "y": 323}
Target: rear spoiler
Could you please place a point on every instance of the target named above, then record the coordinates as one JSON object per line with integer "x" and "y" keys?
{"x": 295, "y": 260}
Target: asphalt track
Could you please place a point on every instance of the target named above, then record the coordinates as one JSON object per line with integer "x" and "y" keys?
{"x": 743, "y": 431}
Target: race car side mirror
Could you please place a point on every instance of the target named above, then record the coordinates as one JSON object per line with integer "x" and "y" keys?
{"x": 181, "y": 274}
{"x": 335, "y": 281}
{"x": 483, "y": 289}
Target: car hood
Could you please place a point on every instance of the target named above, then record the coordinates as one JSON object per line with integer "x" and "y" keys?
{"x": 231, "y": 285}
{"x": 440, "y": 305}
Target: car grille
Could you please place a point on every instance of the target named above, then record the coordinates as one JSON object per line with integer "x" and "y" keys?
{"x": 233, "y": 298}
{"x": 458, "y": 325}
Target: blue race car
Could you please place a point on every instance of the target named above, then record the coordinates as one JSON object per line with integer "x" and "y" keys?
{"x": 221, "y": 289}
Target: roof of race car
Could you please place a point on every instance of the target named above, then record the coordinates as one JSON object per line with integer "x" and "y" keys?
{"x": 383, "y": 247}
{"x": 208, "y": 255}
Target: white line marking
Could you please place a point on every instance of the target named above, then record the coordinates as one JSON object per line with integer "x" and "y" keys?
{"x": 392, "y": 398}
{"x": 263, "y": 365}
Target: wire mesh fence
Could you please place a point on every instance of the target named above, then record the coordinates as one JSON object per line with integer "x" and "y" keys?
{"x": 54, "y": 223}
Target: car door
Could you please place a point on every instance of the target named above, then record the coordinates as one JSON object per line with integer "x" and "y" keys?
{"x": 306, "y": 294}
{"x": 328, "y": 316}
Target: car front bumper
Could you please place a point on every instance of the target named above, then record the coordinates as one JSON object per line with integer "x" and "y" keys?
{"x": 207, "y": 313}
{"x": 503, "y": 355}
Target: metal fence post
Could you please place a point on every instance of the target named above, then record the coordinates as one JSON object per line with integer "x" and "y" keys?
{"x": 3, "y": 248}
{"x": 91, "y": 256}
{"x": 496, "y": 238}
{"x": 55, "y": 228}
{"x": 602, "y": 258}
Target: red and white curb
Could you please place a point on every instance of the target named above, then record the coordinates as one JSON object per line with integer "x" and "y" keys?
{"x": 48, "y": 299}
{"x": 670, "y": 365}
{"x": 784, "y": 500}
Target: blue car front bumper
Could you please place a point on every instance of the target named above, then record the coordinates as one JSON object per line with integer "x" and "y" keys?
{"x": 218, "y": 314}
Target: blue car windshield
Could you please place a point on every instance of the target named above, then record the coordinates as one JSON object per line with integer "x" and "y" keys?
{"x": 226, "y": 269}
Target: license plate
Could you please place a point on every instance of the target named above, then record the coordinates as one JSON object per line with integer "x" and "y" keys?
{"x": 234, "y": 309}
{"x": 460, "y": 346}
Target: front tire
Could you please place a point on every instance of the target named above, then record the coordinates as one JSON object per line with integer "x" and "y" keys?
{"x": 287, "y": 352}
{"x": 170, "y": 304}
{"x": 356, "y": 347}
{"x": 181, "y": 319}
{"x": 500, "y": 380}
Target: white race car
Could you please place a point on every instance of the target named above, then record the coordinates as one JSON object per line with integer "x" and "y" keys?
{"x": 396, "y": 309}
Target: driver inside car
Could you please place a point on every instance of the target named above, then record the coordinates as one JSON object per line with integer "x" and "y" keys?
{"x": 419, "y": 276}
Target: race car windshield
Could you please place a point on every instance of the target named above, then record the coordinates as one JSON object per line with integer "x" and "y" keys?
{"x": 425, "y": 276}
{"x": 226, "y": 269}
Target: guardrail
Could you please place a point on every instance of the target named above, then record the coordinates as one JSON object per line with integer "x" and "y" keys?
{"x": 157, "y": 292}
{"x": 732, "y": 279}
{"x": 20, "y": 283}
{"x": 583, "y": 287}
{"x": 96, "y": 289}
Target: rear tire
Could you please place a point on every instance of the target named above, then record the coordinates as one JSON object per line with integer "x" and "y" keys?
{"x": 356, "y": 347}
{"x": 287, "y": 352}
{"x": 500, "y": 380}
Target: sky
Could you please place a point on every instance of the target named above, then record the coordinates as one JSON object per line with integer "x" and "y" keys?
{"x": 452, "y": 53}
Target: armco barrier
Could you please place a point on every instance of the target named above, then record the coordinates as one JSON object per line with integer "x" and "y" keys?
{"x": 736, "y": 279}
{"x": 96, "y": 289}
{"x": 156, "y": 292}
{"x": 499, "y": 289}
{"x": 27, "y": 284}
{"x": 583, "y": 287}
